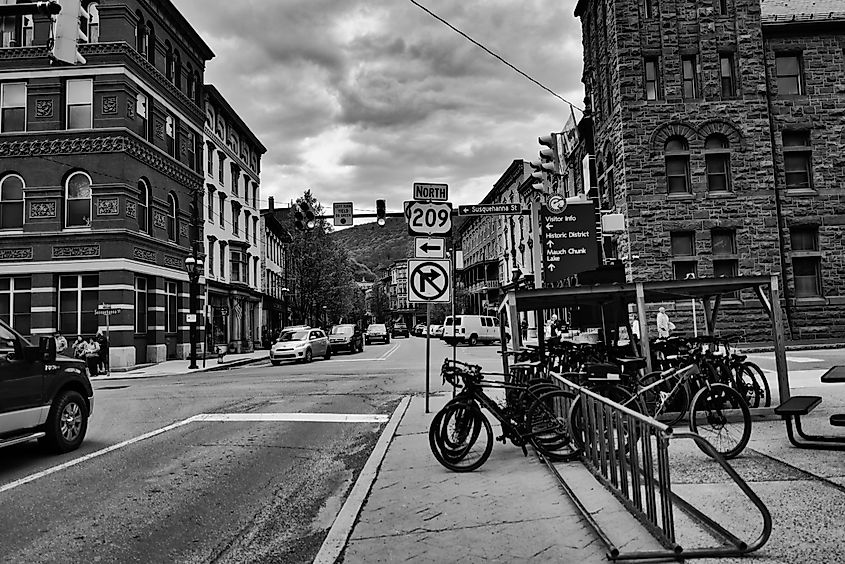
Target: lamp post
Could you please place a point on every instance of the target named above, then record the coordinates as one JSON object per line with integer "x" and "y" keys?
{"x": 194, "y": 266}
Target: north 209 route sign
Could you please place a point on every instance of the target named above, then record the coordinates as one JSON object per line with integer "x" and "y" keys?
{"x": 429, "y": 218}
{"x": 429, "y": 281}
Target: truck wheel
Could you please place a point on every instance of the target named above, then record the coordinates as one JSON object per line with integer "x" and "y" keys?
{"x": 67, "y": 422}
{"x": 473, "y": 340}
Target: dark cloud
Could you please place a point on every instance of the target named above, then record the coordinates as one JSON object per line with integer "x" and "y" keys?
{"x": 357, "y": 99}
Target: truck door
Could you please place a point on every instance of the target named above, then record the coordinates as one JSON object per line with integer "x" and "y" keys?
{"x": 21, "y": 384}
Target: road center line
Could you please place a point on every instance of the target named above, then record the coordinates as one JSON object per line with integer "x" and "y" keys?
{"x": 296, "y": 417}
{"x": 388, "y": 353}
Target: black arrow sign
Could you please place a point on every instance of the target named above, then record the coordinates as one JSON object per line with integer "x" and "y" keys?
{"x": 430, "y": 277}
{"x": 425, "y": 247}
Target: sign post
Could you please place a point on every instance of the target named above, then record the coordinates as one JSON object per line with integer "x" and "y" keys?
{"x": 427, "y": 354}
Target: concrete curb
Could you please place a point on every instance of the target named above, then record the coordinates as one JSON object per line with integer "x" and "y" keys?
{"x": 794, "y": 347}
{"x": 129, "y": 374}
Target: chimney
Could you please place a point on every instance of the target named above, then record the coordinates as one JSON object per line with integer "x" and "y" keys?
{"x": 271, "y": 203}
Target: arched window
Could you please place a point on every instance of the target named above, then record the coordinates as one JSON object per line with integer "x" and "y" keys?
{"x": 191, "y": 85}
{"x": 198, "y": 88}
{"x": 168, "y": 61}
{"x": 141, "y": 38}
{"x": 717, "y": 158}
{"x": 93, "y": 22}
{"x": 11, "y": 202}
{"x": 151, "y": 43}
{"x": 171, "y": 217}
{"x": 78, "y": 200}
{"x": 677, "y": 165}
{"x": 177, "y": 70}
{"x": 143, "y": 206}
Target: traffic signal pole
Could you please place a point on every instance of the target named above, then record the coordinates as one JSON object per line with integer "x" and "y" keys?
{"x": 49, "y": 8}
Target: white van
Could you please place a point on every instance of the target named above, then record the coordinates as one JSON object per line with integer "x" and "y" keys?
{"x": 471, "y": 329}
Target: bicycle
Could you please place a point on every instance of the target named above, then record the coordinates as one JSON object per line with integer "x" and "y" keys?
{"x": 461, "y": 437}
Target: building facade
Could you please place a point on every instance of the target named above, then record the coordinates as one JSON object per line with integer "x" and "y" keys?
{"x": 99, "y": 164}
{"x": 276, "y": 282}
{"x": 232, "y": 216}
{"x": 718, "y": 133}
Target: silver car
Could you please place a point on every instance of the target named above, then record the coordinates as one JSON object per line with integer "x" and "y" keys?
{"x": 302, "y": 345}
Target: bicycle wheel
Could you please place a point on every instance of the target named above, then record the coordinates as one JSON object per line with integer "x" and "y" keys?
{"x": 667, "y": 402}
{"x": 766, "y": 392}
{"x": 460, "y": 437}
{"x": 615, "y": 393}
{"x": 547, "y": 426}
{"x": 720, "y": 415}
{"x": 745, "y": 382}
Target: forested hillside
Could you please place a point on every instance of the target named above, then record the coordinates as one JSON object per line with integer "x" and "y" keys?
{"x": 373, "y": 248}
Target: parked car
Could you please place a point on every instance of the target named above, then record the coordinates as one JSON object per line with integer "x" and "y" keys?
{"x": 347, "y": 337}
{"x": 400, "y": 330}
{"x": 419, "y": 329}
{"x": 42, "y": 396}
{"x": 471, "y": 329}
{"x": 436, "y": 331}
{"x": 377, "y": 332}
{"x": 301, "y": 345}
{"x": 290, "y": 328}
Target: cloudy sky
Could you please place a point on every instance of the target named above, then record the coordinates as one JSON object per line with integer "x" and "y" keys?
{"x": 358, "y": 99}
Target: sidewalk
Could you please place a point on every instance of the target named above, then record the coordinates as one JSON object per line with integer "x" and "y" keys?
{"x": 172, "y": 367}
{"x": 513, "y": 510}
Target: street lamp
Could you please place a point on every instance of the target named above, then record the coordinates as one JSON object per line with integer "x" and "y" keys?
{"x": 194, "y": 266}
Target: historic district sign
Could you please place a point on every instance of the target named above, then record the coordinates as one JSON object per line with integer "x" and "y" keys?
{"x": 568, "y": 237}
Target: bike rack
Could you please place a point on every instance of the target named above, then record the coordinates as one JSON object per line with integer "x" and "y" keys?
{"x": 628, "y": 453}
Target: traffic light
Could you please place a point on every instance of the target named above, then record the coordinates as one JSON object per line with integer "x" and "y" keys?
{"x": 381, "y": 212}
{"x": 70, "y": 30}
{"x": 549, "y": 156}
{"x": 298, "y": 218}
{"x": 310, "y": 220}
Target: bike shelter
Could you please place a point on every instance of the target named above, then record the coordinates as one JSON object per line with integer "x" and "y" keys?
{"x": 708, "y": 291}
{"x": 637, "y": 472}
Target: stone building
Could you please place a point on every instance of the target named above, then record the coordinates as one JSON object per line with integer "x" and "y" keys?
{"x": 232, "y": 215}
{"x": 718, "y": 133}
{"x": 99, "y": 164}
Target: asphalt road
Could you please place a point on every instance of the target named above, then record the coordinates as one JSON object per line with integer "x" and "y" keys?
{"x": 177, "y": 489}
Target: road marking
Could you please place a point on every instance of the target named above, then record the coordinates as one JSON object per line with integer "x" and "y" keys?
{"x": 302, "y": 417}
{"x": 95, "y": 454}
{"x": 345, "y": 520}
{"x": 390, "y": 352}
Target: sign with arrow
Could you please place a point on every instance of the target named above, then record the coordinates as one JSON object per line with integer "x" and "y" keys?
{"x": 568, "y": 237}
{"x": 491, "y": 209}
{"x": 429, "y": 281}
{"x": 429, "y": 247}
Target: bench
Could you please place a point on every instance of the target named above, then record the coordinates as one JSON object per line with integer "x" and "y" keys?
{"x": 794, "y": 408}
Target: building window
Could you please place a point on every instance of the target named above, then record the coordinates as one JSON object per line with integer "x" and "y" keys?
{"x": 717, "y": 160}
{"x": 652, "y": 78}
{"x": 15, "y": 31}
{"x": 80, "y": 100}
{"x": 210, "y": 257}
{"x": 677, "y": 165}
{"x": 78, "y": 200}
{"x": 140, "y": 305}
{"x": 222, "y": 209}
{"x": 210, "y": 204}
{"x": 93, "y": 22}
{"x": 168, "y": 61}
{"x": 141, "y": 110}
{"x": 191, "y": 85}
{"x": 255, "y": 230}
{"x": 789, "y": 76}
{"x": 649, "y": 8}
{"x": 797, "y": 158}
{"x": 143, "y": 211}
{"x": 171, "y": 306}
{"x": 236, "y": 176}
{"x": 689, "y": 76}
{"x": 170, "y": 134}
{"x": 16, "y": 302}
{"x": 11, "y": 202}
{"x": 77, "y": 301}
{"x": 171, "y": 217}
{"x": 209, "y": 160}
{"x": 255, "y": 196}
{"x": 188, "y": 148}
{"x": 246, "y": 225}
{"x": 236, "y": 213}
{"x": 806, "y": 260}
{"x": 725, "y": 263}
{"x": 13, "y": 104}
{"x": 723, "y": 7}
{"x": 177, "y": 70}
{"x": 683, "y": 251}
{"x": 141, "y": 36}
{"x": 726, "y": 74}
{"x": 220, "y": 167}
{"x": 151, "y": 44}
{"x": 235, "y": 259}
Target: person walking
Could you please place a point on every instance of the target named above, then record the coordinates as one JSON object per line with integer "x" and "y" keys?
{"x": 61, "y": 342}
{"x": 664, "y": 326}
{"x": 91, "y": 350}
{"x": 79, "y": 347}
{"x": 103, "y": 341}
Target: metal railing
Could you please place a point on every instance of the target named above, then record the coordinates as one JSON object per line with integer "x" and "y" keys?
{"x": 628, "y": 453}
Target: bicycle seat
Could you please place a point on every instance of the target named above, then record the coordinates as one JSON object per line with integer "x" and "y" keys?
{"x": 740, "y": 357}
{"x": 633, "y": 363}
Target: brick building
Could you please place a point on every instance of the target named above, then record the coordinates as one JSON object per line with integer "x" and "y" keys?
{"x": 277, "y": 273}
{"x": 232, "y": 231}
{"x": 98, "y": 166}
{"x": 718, "y": 132}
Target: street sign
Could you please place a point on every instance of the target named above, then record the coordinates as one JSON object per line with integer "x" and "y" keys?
{"x": 429, "y": 281}
{"x": 110, "y": 311}
{"x": 568, "y": 238}
{"x": 431, "y": 192}
{"x": 490, "y": 209}
{"x": 428, "y": 218}
{"x": 190, "y": 317}
{"x": 342, "y": 212}
{"x": 429, "y": 247}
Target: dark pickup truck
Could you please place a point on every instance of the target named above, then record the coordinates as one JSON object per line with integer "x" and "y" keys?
{"x": 42, "y": 396}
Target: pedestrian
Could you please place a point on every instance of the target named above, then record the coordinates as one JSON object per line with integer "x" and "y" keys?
{"x": 664, "y": 326}
{"x": 523, "y": 328}
{"x": 91, "y": 350}
{"x": 103, "y": 341}
{"x": 61, "y": 342}
{"x": 79, "y": 347}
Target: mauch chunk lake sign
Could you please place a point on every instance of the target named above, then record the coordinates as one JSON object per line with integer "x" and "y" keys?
{"x": 568, "y": 236}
